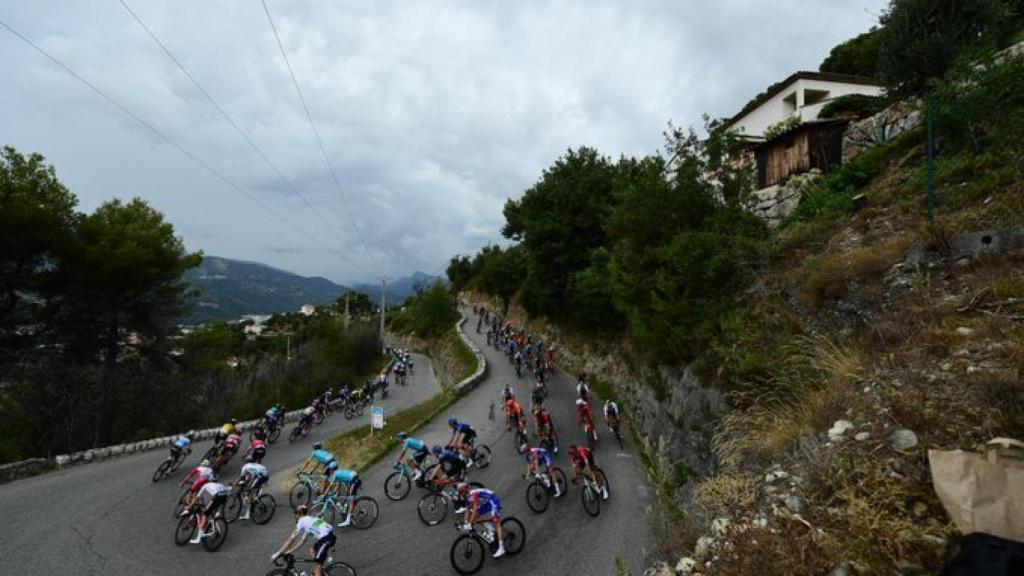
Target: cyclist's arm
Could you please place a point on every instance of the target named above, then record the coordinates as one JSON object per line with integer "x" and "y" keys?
{"x": 185, "y": 480}
{"x": 402, "y": 455}
{"x": 290, "y": 545}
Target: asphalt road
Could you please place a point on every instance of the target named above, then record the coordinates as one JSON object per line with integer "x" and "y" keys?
{"x": 109, "y": 518}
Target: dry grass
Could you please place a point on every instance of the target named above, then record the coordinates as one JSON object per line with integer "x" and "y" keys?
{"x": 817, "y": 385}
{"x": 790, "y": 549}
{"x": 726, "y": 495}
{"x": 828, "y": 275}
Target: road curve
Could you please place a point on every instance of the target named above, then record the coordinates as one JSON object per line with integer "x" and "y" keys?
{"x": 108, "y": 518}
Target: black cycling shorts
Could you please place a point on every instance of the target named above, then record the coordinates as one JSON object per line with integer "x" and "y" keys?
{"x": 353, "y": 487}
{"x": 215, "y": 504}
{"x": 323, "y": 547}
{"x": 258, "y": 483}
{"x": 418, "y": 457}
{"x": 453, "y": 468}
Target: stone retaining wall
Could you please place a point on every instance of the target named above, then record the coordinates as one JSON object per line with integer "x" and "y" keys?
{"x": 882, "y": 128}
{"x": 481, "y": 363}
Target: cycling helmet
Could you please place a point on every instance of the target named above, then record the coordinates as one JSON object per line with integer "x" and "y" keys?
{"x": 453, "y": 422}
{"x": 233, "y": 421}
{"x": 190, "y": 434}
{"x": 205, "y": 462}
{"x": 317, "y": 446}
{"x": 301, "y": 509}
{"x": 436, "y": 450}
{"x": 402, "y": 435}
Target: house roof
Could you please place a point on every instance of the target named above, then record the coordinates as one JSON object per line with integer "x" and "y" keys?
{"x": 802, "y": 75}
{"x": 803, "y": 126}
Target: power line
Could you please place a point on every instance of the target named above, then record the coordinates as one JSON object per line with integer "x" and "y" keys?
{"x": 323, "y": 150}
{"x": 174, "y": 144}
{"x": 230, "y": 120}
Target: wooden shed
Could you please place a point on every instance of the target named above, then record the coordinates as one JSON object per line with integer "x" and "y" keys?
{"x": 815, "y": 144}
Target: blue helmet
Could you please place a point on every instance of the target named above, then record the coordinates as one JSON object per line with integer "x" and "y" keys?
{"x": 317, "y": 446}
{"x": 436, "y": 449}
{"x": 402, "y": 435}
{"x": 453, "y": 422}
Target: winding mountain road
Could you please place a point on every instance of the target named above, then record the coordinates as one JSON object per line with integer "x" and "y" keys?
{"x": 109, "y": 518}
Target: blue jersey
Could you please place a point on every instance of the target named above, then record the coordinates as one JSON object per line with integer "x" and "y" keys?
{"x": 449, "y": 456}
{"x": 539, "y": 455}
{"x": 322, "y": 456}
{"x": 345, "y": 476}
{"x": 415, "y": 445}
{"x": 182, "y": 442}
{"x": 465, "y": 428}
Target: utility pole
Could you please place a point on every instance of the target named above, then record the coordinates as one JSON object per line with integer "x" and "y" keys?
{"x": 383, "y": 307}
{"x": 346, "y": 311}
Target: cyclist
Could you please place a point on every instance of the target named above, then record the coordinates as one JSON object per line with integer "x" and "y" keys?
{"x": 582, "y": 390}
{"x": 182, "y": 445}
{"x": 308, "y": 525}
{"x": 612, "y": 418}
{"x": 257, "y": 450}
{"x": 230, "y": 447}
{"x": 419, "y": 452}
{"x": 274, "y": 416}
{"x": 481, "y": 502}
{"x": 583, "y": 463}
{"x": 534, "y": 458}
{"x": 368, "y": 389}
{"x": 347, "y": 481}
{"x": 462, "y": 438}
{"x": 253, "y": 476}
{"x": 515, "y": 414}
{"x": 306, "y": 416}
{"x": 539, "y": 393}
{"x": 507, "y": 393}
{"x": 451, "y": 467}
{"x": 584, "y": 412}
{"x": 227, "y": 429}
{"x": 217, "y": 495}
{"x": 203, "y": 474}
{"x": 318, "y": 459}
{"x": 344, "y": 395}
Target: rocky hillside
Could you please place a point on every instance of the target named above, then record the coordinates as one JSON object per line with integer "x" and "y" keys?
{"x": 232, "y": 288}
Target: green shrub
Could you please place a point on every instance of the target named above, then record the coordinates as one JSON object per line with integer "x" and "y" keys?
{"x": 855, "y": 105}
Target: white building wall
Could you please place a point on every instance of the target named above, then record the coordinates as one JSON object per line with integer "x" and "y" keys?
{"x": 776, "y": 109}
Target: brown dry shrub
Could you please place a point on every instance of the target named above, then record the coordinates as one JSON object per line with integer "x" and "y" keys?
{"x": 726, "y": 495}
{"x": 791, "y": 549}
{"x": 827, "y": 276}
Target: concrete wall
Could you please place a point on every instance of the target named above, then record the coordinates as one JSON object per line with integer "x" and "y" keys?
{"x": 775, "y": 110}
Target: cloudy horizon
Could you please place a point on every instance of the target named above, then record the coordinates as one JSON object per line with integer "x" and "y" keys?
{"x": 432, "y": 114}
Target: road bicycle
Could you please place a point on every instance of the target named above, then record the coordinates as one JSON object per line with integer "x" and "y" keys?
{"x": 170, "y": 465}
{"x": 481, "y": 455}
{"x": 215, "y": 534}
{"x": 433, "y": 507}
{"x": 334, "y": 510}
{"x": 262, "y": 508}
{"x": 270, "y": 429}
{"x": 591, "y": 432}
{"x": 399, "y": 482}
{"x": 591, "y": 493}
{"x": 303, "y": 490}
{"x": 468, "y": 550}
{"x": 540, "y": 492}
{"x": 301, "y": 430}
{"x": 614, "y": 426}
{"x": 356, "y": 405}
{"x": 287, "y": 564}
{"x": 520, "y": 437}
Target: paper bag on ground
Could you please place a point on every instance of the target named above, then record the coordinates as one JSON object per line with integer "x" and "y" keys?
{"x": 983, "y": 492}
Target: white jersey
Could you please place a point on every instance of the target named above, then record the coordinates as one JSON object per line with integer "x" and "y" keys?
{"x": 313, "y": 526}
{"x": 582, "y": 390}
{"x": 611, "y": 408}
{"x": 211, "y": 489}
{"x": 204, "y": 472}
{"x": 255, "y": 469}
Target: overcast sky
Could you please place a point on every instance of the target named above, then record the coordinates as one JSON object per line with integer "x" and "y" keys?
{"x": 433, "y": 113}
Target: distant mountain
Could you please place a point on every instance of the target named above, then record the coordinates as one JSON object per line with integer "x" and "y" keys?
{"x": 398, "y": 289}
{"x": 233, "y": 288}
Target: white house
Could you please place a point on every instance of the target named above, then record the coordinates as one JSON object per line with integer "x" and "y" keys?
{"x": 802, "y": 95}
{"x": 307, "y": 310}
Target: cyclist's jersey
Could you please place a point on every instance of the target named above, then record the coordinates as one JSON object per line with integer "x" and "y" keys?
{"x": 308, "y": 411}
{"x": 228, "y": 428}
{"x": 203, "y": 473}
{"x": 255, "y": 469}
{"x": 343, "y": 394}
{"x": 582, "y": 390}
{"x": 538, "y": 395}
{"x": 515, "y": 409}
{"x": 544, "y": 418}
{"x": 258, "y": 445}
{"x": 271, "y": 414}
{"x": 480, "y": 497}
{"x": 232, "y": 442}
{"x": 583, "y": 455}
{"x": 585, "y": 412}
{"x": 312, "y": 526}
{"x": 212, "y": 489}
{"x": 345, "y": 476}
{"x": 507, "y": 394}
{"x": 322, "y": 457}
{"x": 182, "y": 442}
{"x": 415, "y": 444}
{"x": 451, "y": 463}
{"x": 538, "y": 455}
{"x": 611, "y": 410}
{"x": 464, "y": 428}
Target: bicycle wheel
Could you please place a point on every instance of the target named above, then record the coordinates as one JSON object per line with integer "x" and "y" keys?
{"x": 301, "y": 493}
{"x": 305, "y": 430}
{"x": 233, "y": 507}
{"x": 359, "y": 409}
{"x": 318, "y": 417}
{"x": 214, "y": 541}
{"x": 603, "y": 480}
{"x": 559, "y": 479}
{"x": 467, "y": 554}
{"x": 537, "y": 497}
{"x": 515, "y": 535}
{"x": 339, "y": 569}
{"x": 349, "y": 412}
{"x": 263, "y": 509}
{"x": 161, "y": 470}
{"x": 432, "y": 508}
{"x": 482, "y": 456}
{"x": 294, "y": 434}
{"x": 591, "y": 500}
{"x": 274, "y": 435}
{"x": 327, "y": 511}
{"x": 186, "y": 530}
{"x": 521, "y": 441}
{"x": 179, "y": 506}
{"x": 365, "y": 513}
{"x": 397, "y": 486}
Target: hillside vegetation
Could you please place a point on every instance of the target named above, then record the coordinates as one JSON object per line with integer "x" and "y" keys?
{"x": 842, "y": 360}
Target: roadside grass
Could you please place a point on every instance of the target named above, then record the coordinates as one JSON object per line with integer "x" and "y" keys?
{"x": 827, "y": 275}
